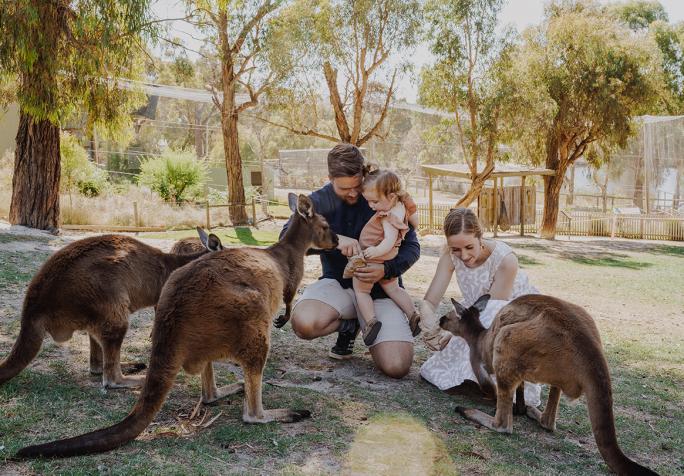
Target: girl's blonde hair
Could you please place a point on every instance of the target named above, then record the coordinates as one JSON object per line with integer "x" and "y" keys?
{"x": 384, "y": 182}
{"x": 462, "y": 220}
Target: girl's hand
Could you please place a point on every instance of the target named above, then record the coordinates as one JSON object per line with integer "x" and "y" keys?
{"x": 371, "y": 252}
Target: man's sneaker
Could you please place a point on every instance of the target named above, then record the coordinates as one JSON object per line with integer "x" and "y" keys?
{"x": 344, "y": 347}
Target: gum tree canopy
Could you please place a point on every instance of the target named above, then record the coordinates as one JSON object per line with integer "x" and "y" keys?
{"x": 580, "y": 78}
{"x": 63, "y": 56}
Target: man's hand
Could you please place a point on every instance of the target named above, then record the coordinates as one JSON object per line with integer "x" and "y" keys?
{"x": 371, "y": 252}
{"x": 371, "y": 273}
{"x": 348, "y": 246}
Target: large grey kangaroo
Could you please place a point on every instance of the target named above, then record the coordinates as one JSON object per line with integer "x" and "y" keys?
{"x": 218, "y": 307}
{"x": 93, "y": 284}
{"x": 541, "y": 339}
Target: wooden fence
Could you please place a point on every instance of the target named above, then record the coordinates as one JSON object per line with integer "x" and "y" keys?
{"x": 645, "y": 227}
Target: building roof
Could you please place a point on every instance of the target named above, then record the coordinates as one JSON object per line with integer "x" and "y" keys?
{"x": 500, "y": 170}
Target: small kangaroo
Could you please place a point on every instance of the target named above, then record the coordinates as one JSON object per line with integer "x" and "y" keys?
{"x": 541, "y": 339}
{"x": 93, "y": 284}
{"x": 218, "y": 307}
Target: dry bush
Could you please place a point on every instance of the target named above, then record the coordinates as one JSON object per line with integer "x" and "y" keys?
{"x": 118, "y": 209}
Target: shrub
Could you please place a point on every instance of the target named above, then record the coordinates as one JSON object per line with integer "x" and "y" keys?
{"x": 78, "y": 173}
{"x": 176, "y": 175}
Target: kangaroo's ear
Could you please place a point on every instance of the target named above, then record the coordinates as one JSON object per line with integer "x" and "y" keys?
{"x": 457, "y": 306}
{"x": 292, "y": 202}
{"x": 481, "y": 302}
{"x": 214, "y": 243}
{"x": 305, "y": 206}
{"x": 203, "y": 236}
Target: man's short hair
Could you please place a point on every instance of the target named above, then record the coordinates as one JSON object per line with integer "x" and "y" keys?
{"x": 345, "y": 160}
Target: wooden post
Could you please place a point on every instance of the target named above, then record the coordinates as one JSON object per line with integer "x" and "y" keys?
{"x": 136, "y": 222}
{"x": 613, "y": 225}
{"x": 522, "y": 206}
{"x": 430, "y": 216}
{"x": 496, "y": 206}
{"x": 208, "y": 217}
{"x": 254, "y": 220}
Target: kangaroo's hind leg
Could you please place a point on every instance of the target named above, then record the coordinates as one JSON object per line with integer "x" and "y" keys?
{"x": 96, "y": 364}
{"x": 547, "y": 420}
{"x": 210, "y": 393}
{"x": 110, "y": 339}
{"x": 253, "y": 367}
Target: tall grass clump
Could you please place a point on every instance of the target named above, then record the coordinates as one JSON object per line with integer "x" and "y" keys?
{"x": 176, "y": 176}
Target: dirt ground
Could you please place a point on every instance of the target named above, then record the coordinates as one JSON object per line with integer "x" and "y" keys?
{"x": 632, "y": 289}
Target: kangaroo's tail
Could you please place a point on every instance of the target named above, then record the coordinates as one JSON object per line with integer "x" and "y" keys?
{"x": 158, "y": 383}
{"x": 24, "y": 350}
{"x": 599, "y": 397}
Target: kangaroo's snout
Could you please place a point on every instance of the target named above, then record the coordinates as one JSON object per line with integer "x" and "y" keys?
{"x": 442, "y": 321}
{"x": 335, "y": 240}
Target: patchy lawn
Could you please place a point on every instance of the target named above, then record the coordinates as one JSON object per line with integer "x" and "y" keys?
{"x": 363, "y": 422}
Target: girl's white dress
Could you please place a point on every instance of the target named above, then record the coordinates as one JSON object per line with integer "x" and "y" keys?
{"x": 451, "y": 366}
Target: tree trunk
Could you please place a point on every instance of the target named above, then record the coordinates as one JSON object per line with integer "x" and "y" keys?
{"x": 476, "y": 186}
{"x": 35, "y": 185}
{"x": 677, "y": 194}
{"x": 236, "y": 188}
{"x": 556, "y": 159}
{"x": 200, "y": 132}
{"x": 639, "y": 183}
{"x": 552, "y": 188}
{"x": 571, "y": 187}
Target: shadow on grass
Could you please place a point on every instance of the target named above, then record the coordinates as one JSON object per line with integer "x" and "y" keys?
{"x": 668, "y": 250}
{"x": 610, "y": 261}
{"x": 524, "y": 260}
{"x": 244, "y": 234}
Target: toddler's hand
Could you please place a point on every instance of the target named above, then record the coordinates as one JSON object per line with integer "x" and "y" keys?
{"x": 370, "y": 252}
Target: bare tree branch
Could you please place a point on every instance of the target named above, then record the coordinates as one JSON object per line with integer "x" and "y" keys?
{"x": 301, "y": 132}
{"x": 383, "y": 114}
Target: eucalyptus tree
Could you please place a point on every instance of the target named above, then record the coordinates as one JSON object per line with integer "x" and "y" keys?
{"x": 64, "y": 56}
{"x": 579, "y": 78}
{"x": 353, "y": 52}
{"x": 466, "y": 79}
{"x": 242, "y": 39}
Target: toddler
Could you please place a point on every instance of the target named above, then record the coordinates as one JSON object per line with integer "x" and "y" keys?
{"x": 380, "y": 240}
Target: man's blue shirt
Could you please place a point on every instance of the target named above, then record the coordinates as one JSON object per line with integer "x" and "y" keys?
{"x": 349, "y": 220}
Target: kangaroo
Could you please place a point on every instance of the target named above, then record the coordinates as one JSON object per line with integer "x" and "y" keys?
{"x": 218, "y": 307}
{"x": 541, "y": 339}
{"x": 93, "y": 284}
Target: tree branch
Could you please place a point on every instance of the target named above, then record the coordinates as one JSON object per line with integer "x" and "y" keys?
{"x": 383, "y": 114}
{"x": 264, "y": 10}
{"x": 301, "y": 132}
{"x": 335, "y": 101}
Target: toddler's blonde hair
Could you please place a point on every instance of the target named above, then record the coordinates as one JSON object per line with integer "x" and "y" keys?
{"x": 385, "y": 182}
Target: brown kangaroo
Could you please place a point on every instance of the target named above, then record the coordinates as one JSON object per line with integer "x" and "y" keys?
{"x": 93, "y": 284}
{"x": 541, "y": 339}
{"x": 218, "y": 307}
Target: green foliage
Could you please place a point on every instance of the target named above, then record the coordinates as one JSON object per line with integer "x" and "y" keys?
{"x": 578, "y": 78}
{"x": 349, "y": 44}
{"x": 64, "y": 54}
{"x": 176, "y": 175}
{"x": 466, "y": 76}
{"x": 639, "y": 14}
{"x": 79, "y": 173}
{"x": 649, "y": 19}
